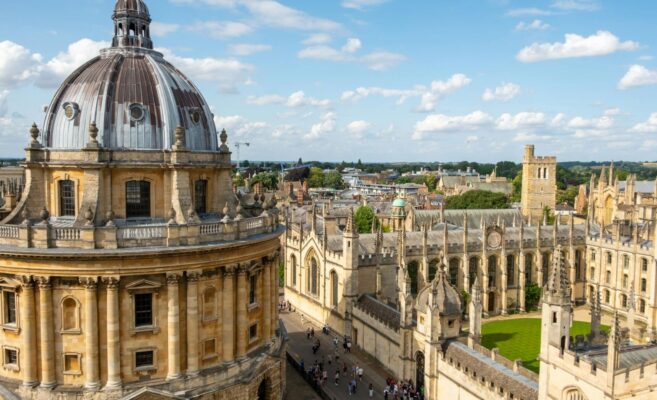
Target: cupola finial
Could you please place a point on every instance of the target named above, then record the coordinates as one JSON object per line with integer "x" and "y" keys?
{"x": 132, "y": 22}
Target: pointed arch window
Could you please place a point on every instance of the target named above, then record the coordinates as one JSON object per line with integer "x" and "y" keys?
{"x": 492, "y": 271}
{"x": 454, "y": 272}
{"x": 314, "y": 276}
{"x": 510, "y": 270}
{"x": 293, "y": 269}
{"x": 334, "y": 289}
{"x": 472, "y": 269}
{"x": 529, "y": 266}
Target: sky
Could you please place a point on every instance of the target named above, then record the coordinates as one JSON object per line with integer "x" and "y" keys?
{"x": 376, "y": 80}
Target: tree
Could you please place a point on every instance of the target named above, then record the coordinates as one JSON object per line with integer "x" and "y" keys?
{"x": 532, "y": 297}
{"x": 568, "y": 195}
{"x": 333, "y": 180}
{"x": 548, "y": 215}
{"x": 431, "y": 181}
{"x": 238, "y": 180}
{"x": 268, "y": 179}
{"x": 364, "y": 218}
{"x": 477, "y": 199}
{"x": 516, "y": 195}
{"x": 316, "y": 178}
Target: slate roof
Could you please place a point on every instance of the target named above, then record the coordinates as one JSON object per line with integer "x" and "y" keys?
{"x": 632, "y": 356}
{"x": 378, "y": 310}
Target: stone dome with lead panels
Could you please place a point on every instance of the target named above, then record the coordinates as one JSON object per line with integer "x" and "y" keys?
{"x": 135, "y": 97}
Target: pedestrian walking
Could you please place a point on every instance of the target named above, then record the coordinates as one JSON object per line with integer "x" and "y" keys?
{"x": 337, "y": 377}
{"x": 371, "y": 390}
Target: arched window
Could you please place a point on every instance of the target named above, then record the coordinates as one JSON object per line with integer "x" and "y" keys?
{"x": 334, "y": 288}
{"x": 66, "y": 198}
{"x": 132, "y": 30}
{"x": 642, "y": 306}
{"x": 473, "y": 263}
{"x": 609, "y": 257}
{"x": 293, "y": 269}
{"x": 644, "y": 264}
{"x": 578, "y": 265}
{"x": 573, "y": 394}
{"x": 529, "y": 266}
{"x": 644, "y": 285}
{"x": 70, "y": 315}
{"x": 209, "y": 303}
{"x": 626, "y": 261}
{"x": 623, "y": 301}
{"x": 413, "y": 267}
{"x": 538, "y": 172}
{"x": 626, "y": 279}
{"x": 510, "y": 270}
{"x": 608, "y": 277}
{"x": 454, "y": 272}
{"x": 607, "y": 296}
{"x": 492, "y": 271}
{"x": 545, "y": 267}
{"x": 137, "y": 199}
{"x": 200, "y": 196}
{"x": 314, "y": 272}
{"x": 433, "y": 268}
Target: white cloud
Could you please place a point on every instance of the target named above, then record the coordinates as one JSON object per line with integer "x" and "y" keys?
{"x": 382, "y": 60}
{"x": 209, "y": 68}
{"x": 530, "y": 137}
{"x": 274, "y": 14}
{"x": 646, "y": 58}
{"x": 536, "y": 24}
{"x": 325, "y": 126}
{"x": 358, "y": 128}
{"x": 245, "y": 49}
{"x": 447, "y": 123}
{"x": 222, "y": 29}
{"x": 228, "y": 122}
{"x": 637, "y": 76}
{"x": 160, "y": 29}
{"x": 604, "y": 122}
{"x": 599, "y": 44}
{"x": 506, "y": 92}
{"x": 4, "y": 94}
{"x": 361, "y": 4}
{"x": 519, "y": 12}
{"x": 508, "y": 121}
{"x": 429, "y": 96}
{"x": 575, "y": 5}
{"x": 352, "y": 45}
{"x": 299, "y": 99}
{"x": 58, "y": 68}
{"x": 649, "y": 126}
{"x": 322, "y": 53}
{"x": 318, "y": 38}
{"x": 17, "y": 64}
{"x": 613, "y": 111}
{"x": 265, "y": 100}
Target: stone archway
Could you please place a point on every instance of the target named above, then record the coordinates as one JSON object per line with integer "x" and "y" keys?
{"x": 263, "y": 390}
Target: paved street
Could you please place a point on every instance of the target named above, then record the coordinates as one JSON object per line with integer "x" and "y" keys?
{"x": 301, "y": 348}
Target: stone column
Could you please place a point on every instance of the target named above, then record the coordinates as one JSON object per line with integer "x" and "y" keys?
{"x": 92, "y": 378}
{"x": 192, "y": 323}
{"x": 539, "y": 268}
{"x": 466, "y": 272}
{"x": 228, "y": 314}
{"x": 28, "y": 332}
{"x": 521, "y": 281}
{"x": 266, "y": 301}
{"x": 504, "y": 284}
{"x": 241, "y": 312}
{"x": 173, "y": 327}
{"x": 274, "y": 288}
{"x": 113, "y": 335}
{"x": 46, "y": 333}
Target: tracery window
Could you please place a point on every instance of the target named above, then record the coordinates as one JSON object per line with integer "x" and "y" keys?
{"x": 334, "y": 289}
{"x": 200, "y": 196}
{"x": 510, "y": 270}
{"x": 314, "y": 272}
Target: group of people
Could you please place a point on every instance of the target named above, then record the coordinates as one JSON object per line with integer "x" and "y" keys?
{"x": 402, "y": 390}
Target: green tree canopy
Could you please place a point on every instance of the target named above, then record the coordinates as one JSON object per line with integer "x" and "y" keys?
{"x": 333, "y": 180}
{"x": 268, "y": 179}
{"x": 316, "y": 178}
{"x": 516, "y": 195}
{"x": 568, "y": 195}
{"x": 364, "y": 218}
{"x": 477, "y": 199}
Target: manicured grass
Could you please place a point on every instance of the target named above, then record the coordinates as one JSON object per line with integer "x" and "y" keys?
{"x": 521, "y": 338}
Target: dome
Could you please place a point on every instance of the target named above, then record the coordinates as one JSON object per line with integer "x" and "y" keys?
{"x": 135, "y": 97}
{"x": 399, "y": 203}
{"x": 440, "y": 293}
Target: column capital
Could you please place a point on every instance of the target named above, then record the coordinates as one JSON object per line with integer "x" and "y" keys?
{"x": 174, "y": 278}
{"x": 44, "y": 282}
{"x": 243, "y": 268}
{"x": 26, "y": 281}
{"x": 111, "y": 282}
{"x": 89, "y": 282}
{"x": 193, "y": 276}
{"x": 229, "y": 270}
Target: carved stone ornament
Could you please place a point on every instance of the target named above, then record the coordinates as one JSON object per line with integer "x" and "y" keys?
{"x": 111, "y": 282}
{"x": 89, "y": 282}
{"x": 89, "y": 216}
{"x": 109, "y": 217}
{"x": 172, "y": 216}
{"x": 173, "y": 279}
{"x": 493, "y": 239}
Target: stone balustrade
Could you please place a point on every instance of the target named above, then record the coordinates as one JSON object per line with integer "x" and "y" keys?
{"x": 134, "y": 236}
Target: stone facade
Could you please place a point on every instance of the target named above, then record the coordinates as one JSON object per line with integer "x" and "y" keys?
{"x": 137, "y": 273}
{"x": 539, "y": 184}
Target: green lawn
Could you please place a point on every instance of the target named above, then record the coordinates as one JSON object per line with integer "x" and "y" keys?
{"x": 521, "y": 338}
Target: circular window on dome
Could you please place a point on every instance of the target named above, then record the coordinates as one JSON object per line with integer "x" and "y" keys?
{"x": 137, "y": 112}
{"x": 196, "y": 116}
{"x": 71, "y": 110}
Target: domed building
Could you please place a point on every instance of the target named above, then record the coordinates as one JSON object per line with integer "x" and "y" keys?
{"x": 129, "y": 269}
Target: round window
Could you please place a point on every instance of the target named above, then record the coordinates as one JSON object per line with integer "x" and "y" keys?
{"x": 196, "y": 116}
{"x": 70, "y": 110}
{"x": 137, "y": 112}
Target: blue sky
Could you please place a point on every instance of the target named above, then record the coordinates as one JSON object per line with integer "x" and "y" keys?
{"x": 379, "y": 80}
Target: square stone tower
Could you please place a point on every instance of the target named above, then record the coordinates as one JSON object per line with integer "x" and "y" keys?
{"x": 539, "y": 183}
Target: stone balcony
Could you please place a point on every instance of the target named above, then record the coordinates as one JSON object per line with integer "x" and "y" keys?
{"x": 121, "y": 234}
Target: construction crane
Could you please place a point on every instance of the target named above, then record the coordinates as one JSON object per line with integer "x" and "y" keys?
{"x": 238, "y": 145}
